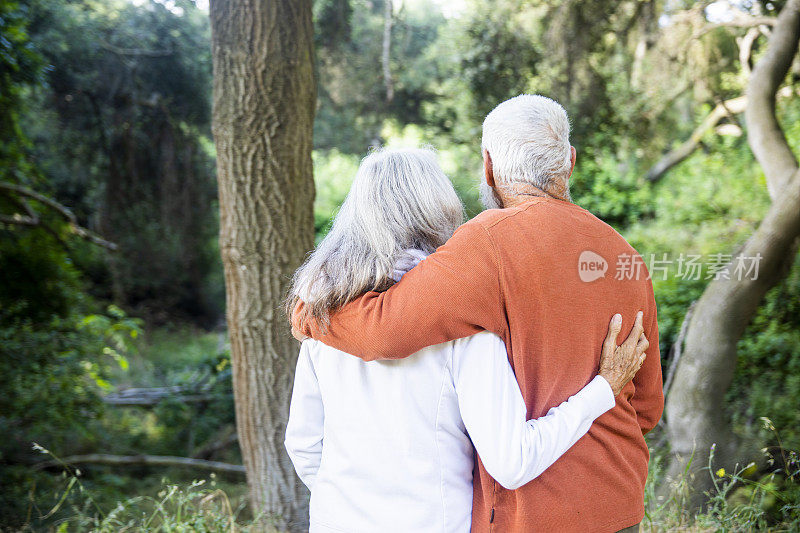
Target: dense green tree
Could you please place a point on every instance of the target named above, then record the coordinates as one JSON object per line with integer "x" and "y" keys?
{"x": 122, "y": 131}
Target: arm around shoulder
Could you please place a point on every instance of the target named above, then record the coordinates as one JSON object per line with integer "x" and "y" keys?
{"x": 453, "y": 293}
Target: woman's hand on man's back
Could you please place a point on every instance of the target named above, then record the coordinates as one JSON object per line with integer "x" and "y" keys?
{"x": 619, "y": 364}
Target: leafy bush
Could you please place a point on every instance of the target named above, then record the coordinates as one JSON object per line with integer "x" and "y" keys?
{"x": 55, "y": 357}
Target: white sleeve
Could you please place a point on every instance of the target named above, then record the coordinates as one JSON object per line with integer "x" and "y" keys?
{"x": 306, "y": 418}
{"x": 513, "y": 449}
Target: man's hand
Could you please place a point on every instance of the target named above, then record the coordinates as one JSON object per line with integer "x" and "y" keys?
{"x": 619, "y": 364}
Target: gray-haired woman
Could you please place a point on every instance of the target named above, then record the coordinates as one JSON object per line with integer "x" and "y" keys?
{"x": 388, "y": 445}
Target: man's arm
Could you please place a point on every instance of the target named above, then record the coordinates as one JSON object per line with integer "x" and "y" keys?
{"x": 453, "y": 293}
{"x": 306, "y": 418}
{"x": 648, "y": 398}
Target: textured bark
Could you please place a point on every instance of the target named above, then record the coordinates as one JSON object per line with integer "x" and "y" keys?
{"x": 264, "y": 100}
{"x": 695, "y": 418}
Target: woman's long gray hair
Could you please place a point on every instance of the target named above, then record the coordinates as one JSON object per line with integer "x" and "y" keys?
{"x": 400, "y": 199}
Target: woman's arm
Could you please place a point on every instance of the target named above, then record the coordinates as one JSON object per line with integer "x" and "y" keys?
{"x": 306, "y": 418}
{"x": 515, "y": 450}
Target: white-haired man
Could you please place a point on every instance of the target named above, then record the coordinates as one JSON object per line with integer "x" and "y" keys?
{"x": 546, "y": 276}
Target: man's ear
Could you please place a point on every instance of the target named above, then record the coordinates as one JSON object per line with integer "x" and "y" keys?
{"x": 488, "y": 172}
{"x": 572, "y": 156}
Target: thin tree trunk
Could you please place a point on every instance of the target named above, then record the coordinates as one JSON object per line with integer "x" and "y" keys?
{"x": 264, "y": 100}
{"x": 695, "y": 418}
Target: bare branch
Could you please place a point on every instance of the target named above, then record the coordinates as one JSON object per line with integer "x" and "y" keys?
{"x": 677, "y": 155}
{"x": 65, "y": 212}
{"x": 30, "y": 218}
{"x": 150, "y": 396}
{"x": 144, "y": 460}
{"x": 746, "y": 50}
{"x": 740, "y": 21}
{"x": 764, "y": 132}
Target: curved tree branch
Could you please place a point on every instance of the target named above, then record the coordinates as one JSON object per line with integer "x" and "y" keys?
{"x": 746, "y": 50}
{"x": 30, "y": 219}
{"x": 765, "y": 135}
{"x": 740, "y": 21}
{"x": 677, "y": 155}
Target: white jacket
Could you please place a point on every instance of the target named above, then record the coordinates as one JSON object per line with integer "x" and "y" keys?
{"x": 388, "y": 445}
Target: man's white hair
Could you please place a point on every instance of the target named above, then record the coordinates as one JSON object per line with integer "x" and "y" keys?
{"x": 400, "y": 199}
{"x": 527, "y": 138}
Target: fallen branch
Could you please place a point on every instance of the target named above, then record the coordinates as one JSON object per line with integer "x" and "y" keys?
{"x": 144, "y": 460}
{"x": 147, "y": 397}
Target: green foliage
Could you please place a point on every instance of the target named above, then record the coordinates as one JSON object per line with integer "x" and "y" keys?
{"x": 767, "y": 382}
{"x": 611, "y": 189}
{"x": 115, "y": 99}
{"x": 121, "y": 132}
{"x": 20, "y": 68}
{"x": 751, "y": 498}
{"x": 333, "y": 174}
{"x": 54, "y": 359}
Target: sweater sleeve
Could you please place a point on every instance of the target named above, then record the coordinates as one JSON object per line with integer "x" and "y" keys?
{"x": 453, "y": 293}
{"x": 515, "y": 450}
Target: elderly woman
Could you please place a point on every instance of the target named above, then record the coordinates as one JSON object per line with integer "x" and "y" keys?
{"x": 388, "y": 445}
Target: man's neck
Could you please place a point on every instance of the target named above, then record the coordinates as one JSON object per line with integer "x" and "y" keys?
{"x": 515, "y": 194}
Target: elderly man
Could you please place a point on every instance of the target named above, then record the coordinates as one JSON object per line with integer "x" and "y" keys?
{"x": 546, "y": 276}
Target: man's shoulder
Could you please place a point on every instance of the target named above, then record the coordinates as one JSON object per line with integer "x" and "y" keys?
{"x": 543, "y": 212}
{"x": 491, "y": 217}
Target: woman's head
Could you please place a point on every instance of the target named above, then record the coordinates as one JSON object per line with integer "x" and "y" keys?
{"x": 399, "y": 199}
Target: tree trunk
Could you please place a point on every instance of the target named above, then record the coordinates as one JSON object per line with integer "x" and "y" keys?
{"x": 695, "y": 418}
{"x": 264, "y": 101}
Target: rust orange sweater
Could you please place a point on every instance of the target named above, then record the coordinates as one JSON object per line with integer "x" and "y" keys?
{"x": 515, "y": 272}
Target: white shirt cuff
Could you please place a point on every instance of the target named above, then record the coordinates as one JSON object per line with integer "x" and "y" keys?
{"x": 599, "y": 396}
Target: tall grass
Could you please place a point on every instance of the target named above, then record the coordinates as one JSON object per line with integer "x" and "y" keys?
{"x": 199, "y": 506}
{"x": 751, "y": 498}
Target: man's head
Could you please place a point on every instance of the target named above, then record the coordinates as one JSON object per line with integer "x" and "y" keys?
{"x": 526, "y": 143}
